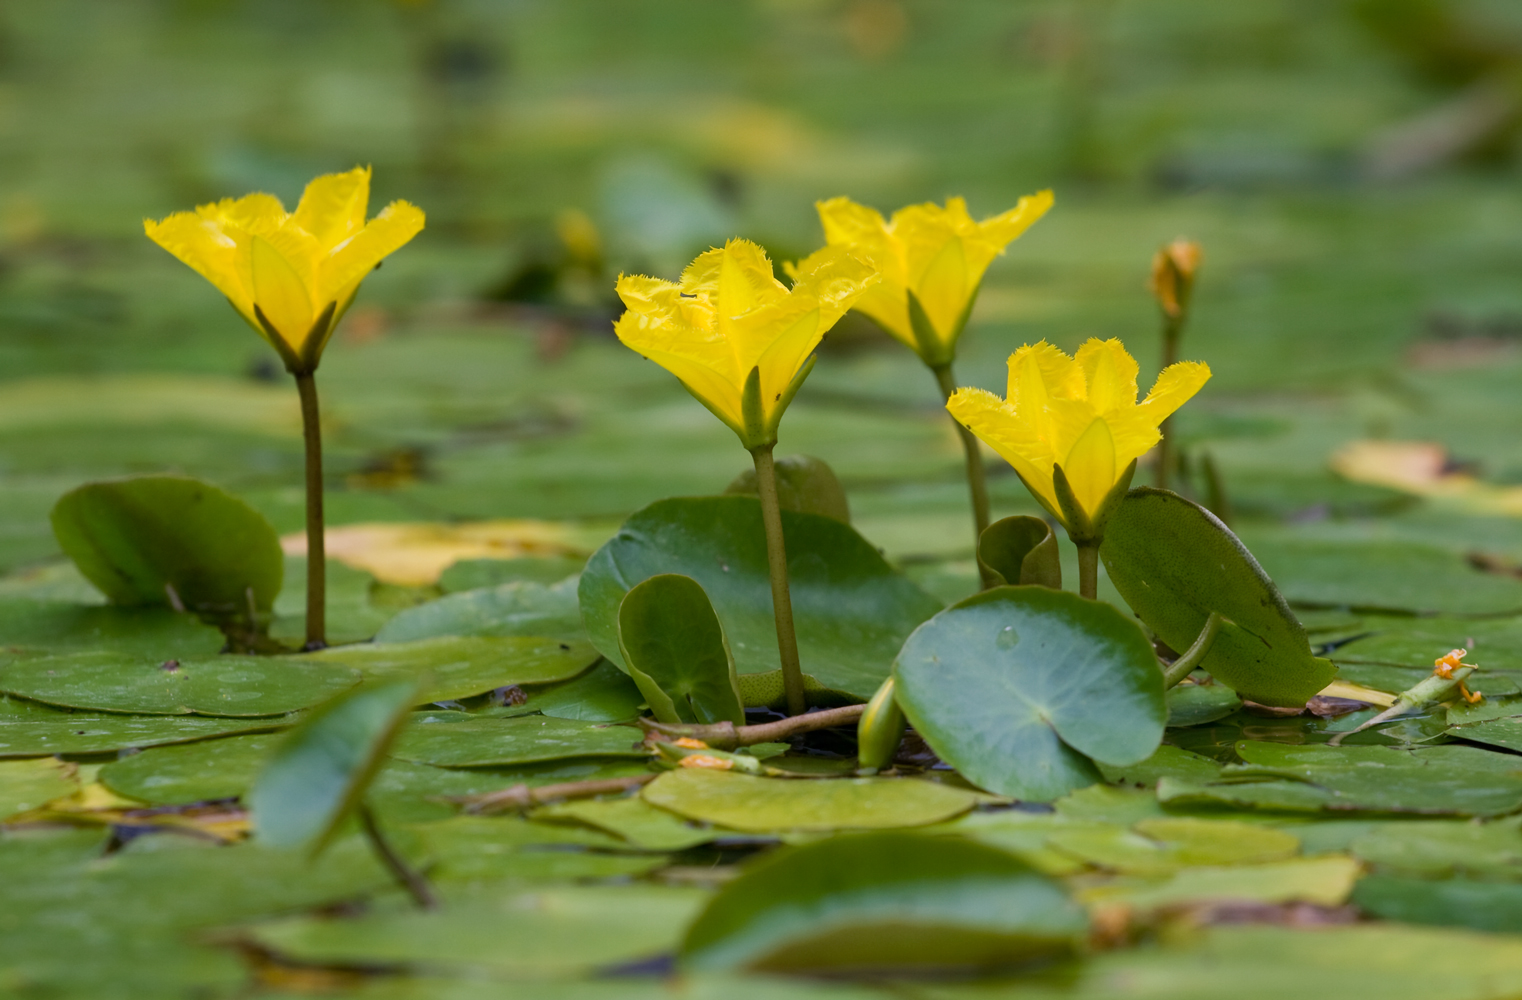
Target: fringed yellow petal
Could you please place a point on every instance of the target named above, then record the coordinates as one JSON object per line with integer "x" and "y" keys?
{"x": 280, "y": 294}
{"x": 739, "y": 276}
{"x": 257, "y": 212}
{"x": 863, "y": 232}
{"x": 333, "y": 206}
{"x": 995, "y": 423}
{"x": 351, "y": 262}
{"x": 1060, "y": 375}
{"x": 1090, "y": 466}
{"x": 836, "y": 278}
{"x": 213, "y": 254}
{"x": 1110, "y": 374}
{"x": 1173, "y": 388}
{"x": 1002, "y": 230}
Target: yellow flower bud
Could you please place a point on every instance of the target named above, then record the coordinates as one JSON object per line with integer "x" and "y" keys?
{"x": 1172, "y": 278}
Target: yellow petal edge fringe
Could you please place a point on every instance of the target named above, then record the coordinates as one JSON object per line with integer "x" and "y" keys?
{"x": 729, "y": 316}
{"x": 290, "y": 274}
{"x": 938, "y": 254}
{"x": 1077, "y": 412}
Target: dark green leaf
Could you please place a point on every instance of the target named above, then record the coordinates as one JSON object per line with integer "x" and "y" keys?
{"x": 1174, "y": 563}
{"x": 455, "y": 739}
{"x": 805, "y": 485}
{"x": 880, "y": 902}
{"x": 674, "y": 648}
{"x": 1197, "y": 704}
{"x": 58, "y": 627}
{"x": 171, "y": 540}
{"x": 519, "y": 608}
{"x": 1021, "y": 550}
{"x": 602, "y": 694}
{"x": 323, "y": 767}
{"x": 190, "y": 772}
{"x": 78, "y": 733}
{"x": 474, "y": 574}
{"x": 461, "y": 666}
{"x": 1018, "y": 687}
{"x": 852, "y": 610}
{"x": 1441, "y": 848}
{"x": 1454, "y": 902}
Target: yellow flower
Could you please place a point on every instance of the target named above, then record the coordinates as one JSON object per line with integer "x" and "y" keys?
{"x": 1079, "y": 413}
{"x": 1172, "y": 277}
{"x": 739, "y": 339}
{"x": 290, "y": 274}
{"x": 932, "y": 261}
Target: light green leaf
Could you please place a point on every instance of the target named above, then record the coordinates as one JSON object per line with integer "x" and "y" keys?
{"x": 674, "y": 648}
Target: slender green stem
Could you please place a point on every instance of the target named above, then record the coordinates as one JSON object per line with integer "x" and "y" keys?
{"x": 1172, "y": 327}
{"x": 782, "y": 601}
{"x": 1191, "y": 657}
{"x": 977, "y": 481}
{"x": 416, "y": 885}
{"x": 317, "y": 589}
{"x": 1088, "y": 569}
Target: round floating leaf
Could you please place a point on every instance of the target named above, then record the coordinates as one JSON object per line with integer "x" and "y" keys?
{"x": 1174, "y": 562}
{"x": 1021, "y": 549}
{"x": 674, "y": 648}
{"x": 1017, "y": 687}
{"x": 602, "y": 694}
{"x": 461, "y": 666}
{"x": 323, "y": 767}
{"x": 223, "y": 685}
{"x": 767, "y": 805}
{"x": 58, "y": 627}
{"x": 1197, "y": 704}
{"x": 191, "y": 772}
{"x": 474, "y": 574}
{"x": 1454, "y": 902}
{"x": 169, "y": 540}
{"x": 883, "y": 901}
{"x": 73, "y": 732}
{"x": 805, "y": 485}
{"x": 455, "y": 739}
{"x": 1164, "y": 844}
{"x": 852, "y": 610}
{"x": 518, "y": 608}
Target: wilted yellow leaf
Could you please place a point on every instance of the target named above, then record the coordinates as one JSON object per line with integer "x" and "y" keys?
{"x": 1423, "y": 469}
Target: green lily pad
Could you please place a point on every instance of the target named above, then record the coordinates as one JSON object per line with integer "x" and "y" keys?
{"x": 1021, "y": 550}
{"x": 1437, "y": 780}
{"x": 1325, "y": 881}
{"x": 408, "y": 792}
{"x": 322, "y": 768}
{"x": 518, "y": 608}
{"x": 59, "y": 627}
{"x": 1175, "y": 563}
{"x": 224, "y": 685}
{"x": 1483, "y": 905}
{"x": 173, "y": 541}
{"x": 461, "y": 666}
{"x": 1018, "y": 687}
{"x": 1167, "y": 762}
{"x": 632, "y": 819}
{"x": 191, "y": 772}
{"x": 1197, "y": 704}
{"x": 455, "y": 739}
{"x": 1504, "y": 732}
{"x": 79, "y": 733}
{"x": 511, "y": 849}
{"x": 561, "y": 931}
{"x": 674, "y": 649}
{"x": 1383, "y": 576}
{"x": 769, "y": 805}
{"x": 27, "y": 784}
{"x": 1443, "y": 848}
{"x": 883, "y": 902}
{"x": 352, "y": 617}
{"x": 1160, "y": 845}
{"x": 852, "y": 610}
{"x": 602, "y": 694}
{"x": 1494, "y": 644}
{"x": 474, "y": 574}
{"x": 805, "y": 485}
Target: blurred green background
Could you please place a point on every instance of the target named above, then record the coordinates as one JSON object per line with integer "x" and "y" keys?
{"x": 1350, "y": 167}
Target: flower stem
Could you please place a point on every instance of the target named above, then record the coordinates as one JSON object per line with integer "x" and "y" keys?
{"x": 776, "y": 558}
{"x": 1088, "y": 569}
{"x": 317, "y": 603}
{"x": 1172, "y": 327}
{"x": 416, "y": 885}
{"x": 1191, "y": 657}
{"x": 977, "y": 482}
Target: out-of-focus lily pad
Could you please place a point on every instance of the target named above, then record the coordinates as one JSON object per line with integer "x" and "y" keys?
{"x": 510, "y": 848}
{"x": 1018, "y": 687}
{"x": 805, "y": 485}
{"x": 1163, "y": 844}
{"x": 602, "y": 694}
{"x": 1197, "y": 704}
{"x": 474, "y": 574}
{"x": 455, "y": 739}
{"x": 1495, "y": 644}
{"x": 461, "y": 666}
{"x": 1451, "y": 779}
{"x": 322, "y": 768}
{"x": 633, "y": 819}
{"x": 59, "y": 627}
{"x": 225, "y": 685}
{"x": 1167, "y": 762}
{"x": 1442, "y": 848}
{"x": 27, "y": 784}
{"x": 351, "y": 615}
{"x": 172, "y": 541}
{"x": 1483, "y": 905}
{"x": 884, "y": 901}
{"x": 1382, "y": 576}
{"x": 408, "y": 792}
{"x": 852, "y": 610}
{"x": 770, "y": 805}
{"x": 36, "y": 735}
{"x": 674, "y": 649}
{"x": 559, "y": 931}
{"x": 1175, "y": 563}
{"x": 193, "y": 772}
{"x": 1325, "y": 880}
{"x": 518, "y": 608}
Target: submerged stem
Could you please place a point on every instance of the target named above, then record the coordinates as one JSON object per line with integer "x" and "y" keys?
{"x": 1191, "y": 657}
{"x": 317, "y": 603}
{"x": 1088, "y": 569}
{"x": 776, "y": 559}
{"x": 416, "y": 885}
{"x": 977, "y": 481}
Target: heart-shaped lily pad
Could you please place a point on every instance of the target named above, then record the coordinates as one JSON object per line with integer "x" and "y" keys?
{"x": 223, "y": 685}
{"x": 461, "y": 666}
{"x": 1018, "y": 687}
{"x": 674, "y": 648}
{"x": 1175, "y": 563}
{"x": 455, "y": 739}
{"x": 852, "y": 610}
